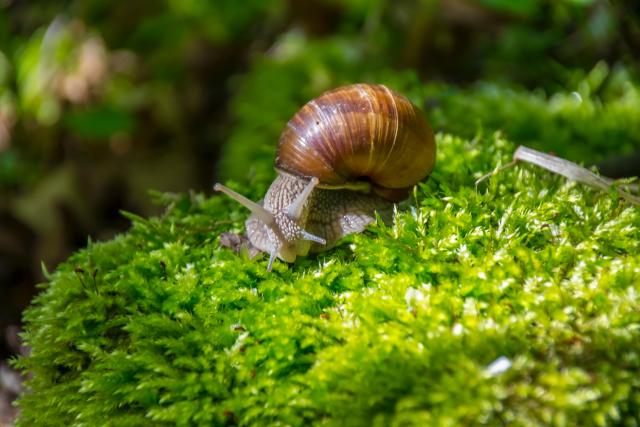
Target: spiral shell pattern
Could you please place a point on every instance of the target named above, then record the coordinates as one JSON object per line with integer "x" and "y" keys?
{"x": 360, "y": 132}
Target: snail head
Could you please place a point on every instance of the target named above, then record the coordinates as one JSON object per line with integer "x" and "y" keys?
{"x": 283, "y": 236}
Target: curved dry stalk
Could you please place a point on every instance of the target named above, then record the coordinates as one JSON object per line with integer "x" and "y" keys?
{"x": 565, "y": 168}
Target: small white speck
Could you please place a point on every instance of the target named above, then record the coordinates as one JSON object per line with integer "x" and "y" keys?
{"x": 411, "y": 295}
{"x": 328, "y": 263}
{"x": 469, "y": 307}
{"x": 457, "y": 329}
{"x": 505, "y": 284}
{"x": 498, "y": 366}
{"x": 351, "y": 322}
{"x": 239, "y": 342}
{"x": 488, "y": 324}
{"x": 463, "y": 252}
{"x": 577, "y": 97}
{"x": 345, "y": 295}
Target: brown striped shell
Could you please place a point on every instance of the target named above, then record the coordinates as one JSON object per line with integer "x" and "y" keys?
{"x": 360, "y": 132}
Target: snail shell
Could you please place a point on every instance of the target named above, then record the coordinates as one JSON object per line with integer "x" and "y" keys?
{"x": 343, "y": 157}
{"x": 357, "y": 133}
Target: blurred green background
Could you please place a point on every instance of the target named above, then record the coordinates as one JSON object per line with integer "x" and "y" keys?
{"x": 101, "y": 101}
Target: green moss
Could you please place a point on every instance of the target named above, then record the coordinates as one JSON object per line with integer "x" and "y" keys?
{"x": 592, "y": 118}
{"x": 398, "y": 325}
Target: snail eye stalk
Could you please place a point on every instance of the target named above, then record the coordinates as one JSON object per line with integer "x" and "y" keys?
{"x": 263, "y": 214}
{"x": 295, "y": 208}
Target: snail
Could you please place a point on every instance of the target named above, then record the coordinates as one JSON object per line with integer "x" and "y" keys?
{"x": 344, "y": 156}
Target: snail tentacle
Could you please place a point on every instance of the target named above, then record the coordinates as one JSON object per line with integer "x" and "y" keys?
{"x": 312, "y": 237}
{"x": 264, "y": 215}
{"x": 272, "y": 256}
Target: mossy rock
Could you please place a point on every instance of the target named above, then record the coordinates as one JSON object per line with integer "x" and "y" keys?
{"x": 516, "y": 302}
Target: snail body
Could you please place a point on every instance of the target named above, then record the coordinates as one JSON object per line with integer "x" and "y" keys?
{"x": 344, "y": 156}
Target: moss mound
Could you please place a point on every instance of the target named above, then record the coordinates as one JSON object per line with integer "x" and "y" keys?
{"x": 516, "y": 302}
